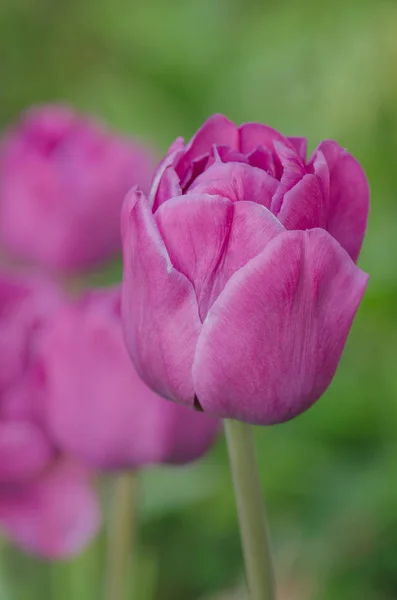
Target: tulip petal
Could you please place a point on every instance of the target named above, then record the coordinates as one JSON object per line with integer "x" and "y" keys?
{"x": 160, "y": 312}
{"x": 263, "y": 159}
{"x": 189, "y": 433}
{"x": 225, "y": 154}
{"x": 237, "y": 181}
{"x": 56, "y": 516}
{"x": 177, "y": 144}
{"x": 169, "y": 186}
{"x": 195, "y": 168}
{"x": 304, "y": 206}
{"x": 170, "y": 159}
{"x": 349, "y": 197}
{"x": 216, "y": 130}
{"x": 253, "y": 135}
{"x": 293, "y": 169}
{"x": 24, "y": 451}
{"x": 321, "y": 169}
{"x": 300, "y": 145}
{"x": 209, "y": 238}
{"x": 272, "y": 341}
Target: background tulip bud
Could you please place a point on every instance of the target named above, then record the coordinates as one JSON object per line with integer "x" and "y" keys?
{"x": 46, "y": 502}
{"x": 98, "y": 408}
{"x": 239, "y": 291}
{"x": 62, "y": 181}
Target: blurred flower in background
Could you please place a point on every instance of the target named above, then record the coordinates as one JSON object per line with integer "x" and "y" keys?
{"x": 47, "y": 504}
{"x": 63, "y": 177}
{"x": 98, "y": 408}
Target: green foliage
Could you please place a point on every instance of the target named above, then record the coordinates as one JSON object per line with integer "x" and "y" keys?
{"x": 156, "y": 69}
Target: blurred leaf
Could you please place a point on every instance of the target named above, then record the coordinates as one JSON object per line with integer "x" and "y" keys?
{"x": 168, "y": 489}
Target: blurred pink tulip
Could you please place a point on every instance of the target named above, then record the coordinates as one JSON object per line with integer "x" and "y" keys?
{"x": 99, "y": 410}
{"x": 62, "y": 182}
{"x": 55, "y": 515}
{"x": 46, "y": 502}
{"x": 240, "y": 285}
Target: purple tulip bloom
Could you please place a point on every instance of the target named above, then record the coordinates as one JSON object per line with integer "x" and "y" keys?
{"x": 240, "y": 283}
{"x": 98, "y": 408}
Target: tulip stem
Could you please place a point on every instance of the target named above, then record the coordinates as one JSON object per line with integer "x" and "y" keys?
{"x": 121, "y": 534}
{"x": 251, "y": 511}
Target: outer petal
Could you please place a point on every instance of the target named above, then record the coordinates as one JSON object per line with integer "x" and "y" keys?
{"x": 237, "y": 181}
{"x": 187, "y": 434}
{"x": 271, "y": 343}
{"x": 349, "y": 197}
{"x": 174, "y": 152}
{"x": 24, "y": 451}
{"x": 55, "y": 517}
{"x": 160, "y": 312}
{"x": 216, "y": 130}
{"x": 209, "y": 238}
{"x": 177, "y": 144}
{"x": 169, "y": 186}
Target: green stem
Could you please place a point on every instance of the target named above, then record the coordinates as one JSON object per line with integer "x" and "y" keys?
{"x": 121, "y": 534}
{"x": 251, "y": 511}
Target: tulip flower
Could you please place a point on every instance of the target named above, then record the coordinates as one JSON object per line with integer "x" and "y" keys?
{"x": 98, "y": 408}
{"x": 240, "y": 288}
{"x": 47, "y": 505}
{"x": 240, "y": 283}
{"x": 62, "y": 181}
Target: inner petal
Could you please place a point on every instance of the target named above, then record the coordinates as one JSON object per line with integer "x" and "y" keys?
{"x": 209, "y": 238}
{"x": 194, "y": 169}
{"x": 225, "y": 154}
{"x": 293, "y": 171}
{"x": 253, "y": 135}
{"x": 263, "y": 159}
{"x": 237, "y": 181}
{"x": 300, "y": 145}
{"x": 304, "y": 206}
{"x": 216, "y": 130}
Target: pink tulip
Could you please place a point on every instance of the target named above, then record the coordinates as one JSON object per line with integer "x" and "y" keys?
{"x": 46, "y": 502}
{"x": 55, "y": 515}
{"x": 62, "y": 181}
{"x": 239, "y": 291}
{"x": 98, "y": 408}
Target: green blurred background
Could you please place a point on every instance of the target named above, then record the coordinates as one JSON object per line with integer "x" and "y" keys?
{"x": 157, "y": 69}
